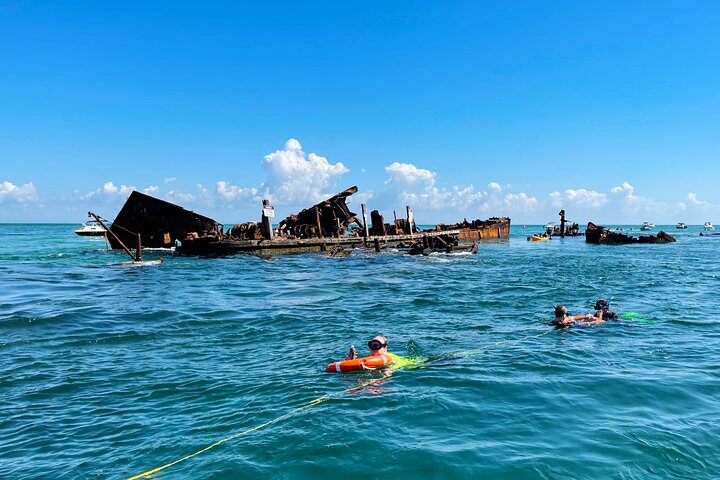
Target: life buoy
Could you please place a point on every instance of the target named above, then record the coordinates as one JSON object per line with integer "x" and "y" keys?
{"x": 364, "y": 363}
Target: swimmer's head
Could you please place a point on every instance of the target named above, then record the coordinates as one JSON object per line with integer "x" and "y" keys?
{"x": 560, "y": 311}
{"x": 601, "y": 304}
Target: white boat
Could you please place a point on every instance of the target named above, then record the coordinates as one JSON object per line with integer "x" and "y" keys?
{"x": 91, "y": 229}
{"x": 708, "y": 226}
{"x": 647, "y": 226}
{"x": 550, "y": 225}
{"x": 681, "y": 225}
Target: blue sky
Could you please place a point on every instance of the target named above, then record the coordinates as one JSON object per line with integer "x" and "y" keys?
{"x": 461, "y": 109}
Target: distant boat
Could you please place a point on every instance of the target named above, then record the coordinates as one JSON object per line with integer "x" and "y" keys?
{"x": 550, "y": 225}
{"x": 91, "y": 229}
{"x": 680, "y": 225}
{"x": 647, "y": 226}
{"x": 708, "y": 226}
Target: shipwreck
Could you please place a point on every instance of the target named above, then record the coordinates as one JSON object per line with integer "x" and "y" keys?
{"x": 598, "y": 235}
{"x": 328, "y": 226}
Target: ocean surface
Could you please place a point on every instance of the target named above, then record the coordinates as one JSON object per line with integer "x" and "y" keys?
{"x": 108, "y": 371}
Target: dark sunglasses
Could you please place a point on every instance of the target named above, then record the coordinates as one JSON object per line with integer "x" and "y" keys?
{"x": 376, "y": 345}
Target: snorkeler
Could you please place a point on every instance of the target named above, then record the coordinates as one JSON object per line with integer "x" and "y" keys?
{"x": 378, "y": 346}
{"x": 563, "y": 320}
{"x": 603, "y": 312}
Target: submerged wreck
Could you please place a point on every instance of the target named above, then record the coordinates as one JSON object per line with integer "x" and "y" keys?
{"x": 328, "y": 226}
{"x": 598, "y": 235}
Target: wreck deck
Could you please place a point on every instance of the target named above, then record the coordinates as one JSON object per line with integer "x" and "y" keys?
{"x": 280, "y": 246}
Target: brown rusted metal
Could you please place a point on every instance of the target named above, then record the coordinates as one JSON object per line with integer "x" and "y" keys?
{"x": 492, "y": 228}
{"x": 598, "y": 235}
{"x": 324, "y": 217}
{"x": 157, "y": 220}
{"x": 108, "y": 232}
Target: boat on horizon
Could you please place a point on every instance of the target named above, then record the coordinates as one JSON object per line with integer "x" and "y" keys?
{"x": 708, "y": 226}
{"x": 681, "y": 225}
{"x": 91, "y": 228}
{"x": 647, "y": 226}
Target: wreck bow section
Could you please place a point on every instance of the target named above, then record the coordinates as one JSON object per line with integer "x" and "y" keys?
{"x": 598, "y": 235}
{"x": 159, "y": 223}
{"x": 329, "y": 218}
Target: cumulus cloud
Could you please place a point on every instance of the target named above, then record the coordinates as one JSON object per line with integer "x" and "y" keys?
{"x": 408, "y": 175}
{"x": 109, "y": 191}
{"x": 294, "y": 178}
{"x": 695, "y": 201}
{"x": 9, "y": 192}
{"x": 231, "y": 192}
{"x": 151, "y": 190}
{"x": 416, "y": 186}
{"x": 625, "y": 187}
{"x": 588, "y": 198}
{"x": 494, "y": 186}
{"x": 520, "y": 202}
{"x": 579, "y": 197}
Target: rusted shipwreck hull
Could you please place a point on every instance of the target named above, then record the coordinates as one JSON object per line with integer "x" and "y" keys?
{"x": 598, "y": 235}
{"x": 279, "y": 245}
{"x": 492, "y": 228}
{"x": 159, "y": 223}
{"x": 326, "y": 226}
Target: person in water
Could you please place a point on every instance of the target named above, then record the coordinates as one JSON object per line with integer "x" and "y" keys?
{"x": 378, "y": 346}
{"x": 563, "y": 320}
{"x": 603, "y": 312}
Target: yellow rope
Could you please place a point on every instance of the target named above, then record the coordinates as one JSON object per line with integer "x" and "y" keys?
{"x": 312, "y": 403}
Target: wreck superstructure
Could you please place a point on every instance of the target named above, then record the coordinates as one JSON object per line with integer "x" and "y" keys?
{"x": 329, "y": 225}
{"x": 159, "y": 223}
{"x": 598, "y": 235}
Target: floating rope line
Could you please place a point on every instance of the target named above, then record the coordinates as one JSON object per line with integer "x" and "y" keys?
{"x": 282, "y": 417}
{"x": 318, "y": 401}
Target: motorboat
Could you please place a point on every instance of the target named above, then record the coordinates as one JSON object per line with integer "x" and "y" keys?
{"x": 93, "y": 228}
{"x": 549, "y": 226}
{"x": 708, "y": 226}
{"x": 681, "y": 225}
{"x": 647, "y": 226}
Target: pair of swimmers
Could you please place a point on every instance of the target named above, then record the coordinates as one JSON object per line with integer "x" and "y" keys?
{"x": 601, "y": 315}
{"x": 379, "y": 344}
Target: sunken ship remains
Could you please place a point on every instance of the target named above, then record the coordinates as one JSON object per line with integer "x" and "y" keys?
{"x": 601, "y": 236}
{"x": 327, "y": 226}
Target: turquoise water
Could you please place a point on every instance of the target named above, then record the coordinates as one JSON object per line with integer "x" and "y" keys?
{"x": 110, "y": 371}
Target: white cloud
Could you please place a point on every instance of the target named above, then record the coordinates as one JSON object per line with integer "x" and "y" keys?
{"x": 416, "y": 187}
{"x": 520, "y": 202}
{"x": 408, "y": 175}
{"x": 625, "y": 187}
{"x": 695, "y": 201}
{"x": 151, "y": 190}
{"x": 588, "y": 198}
{"x": 109, "y": 191}
{"x": 295, "y": 179}
{"x": 18, "y": 193}
{"x": 170, "y": 179}
{"x": 179, "y": 197}
{"x": 494, "y": 186}
{"x": 232, "y": 192}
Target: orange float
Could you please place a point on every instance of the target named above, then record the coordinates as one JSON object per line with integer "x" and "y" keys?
{"x": 364, "y": 363}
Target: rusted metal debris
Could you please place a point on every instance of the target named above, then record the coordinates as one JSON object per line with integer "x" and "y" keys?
{"x": 492, "y": 228}
{"x": 328, "y": 226}
{"x": 328, "y": 218}
{"x": 158, "y": 222}
{"x": 598, "y": 235}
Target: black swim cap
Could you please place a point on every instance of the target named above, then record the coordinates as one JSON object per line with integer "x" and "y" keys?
{"x": 601, "y": 304}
